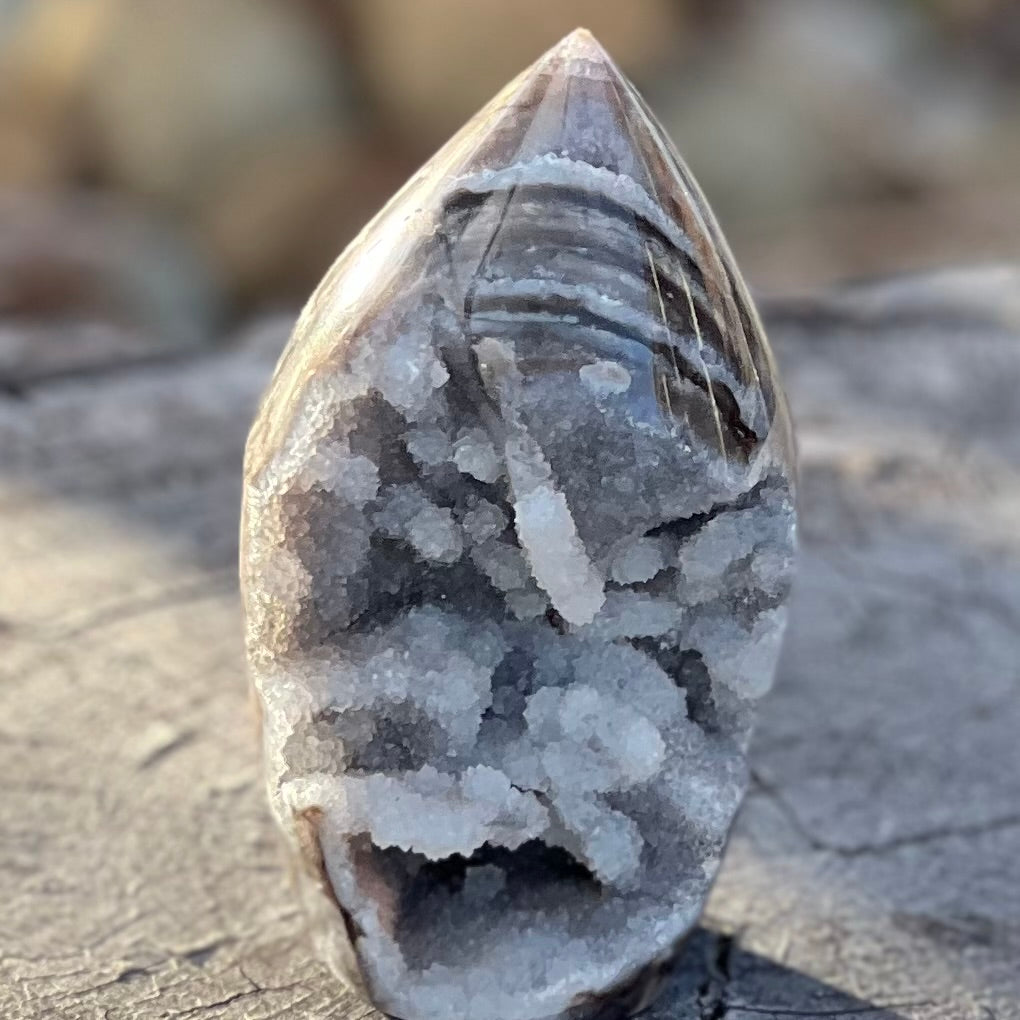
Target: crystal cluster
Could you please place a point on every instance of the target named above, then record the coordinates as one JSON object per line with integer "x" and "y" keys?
{"x": 517, "y": 537}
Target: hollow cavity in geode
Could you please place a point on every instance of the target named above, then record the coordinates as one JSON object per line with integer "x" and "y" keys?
{"x": 517, "y": 536}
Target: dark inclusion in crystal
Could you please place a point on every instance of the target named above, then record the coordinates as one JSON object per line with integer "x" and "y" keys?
{"x": 518, "y": 527}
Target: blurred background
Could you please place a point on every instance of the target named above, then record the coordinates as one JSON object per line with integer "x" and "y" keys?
{"x": 168, "y": 169}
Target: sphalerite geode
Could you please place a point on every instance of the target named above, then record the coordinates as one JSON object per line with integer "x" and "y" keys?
{"x": 518, "y": 527}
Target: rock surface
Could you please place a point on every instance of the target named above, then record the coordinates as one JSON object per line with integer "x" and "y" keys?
{"x": 518, "y": 537}
{"x": 873, "y": 871}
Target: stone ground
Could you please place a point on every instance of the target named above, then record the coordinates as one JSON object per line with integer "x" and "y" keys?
{"x": 875, "y": 868}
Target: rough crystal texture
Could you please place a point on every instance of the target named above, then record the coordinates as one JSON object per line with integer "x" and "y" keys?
{"x": 518, "y": 526}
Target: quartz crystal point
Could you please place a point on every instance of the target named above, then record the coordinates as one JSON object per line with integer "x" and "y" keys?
{"x": 518, "y": 528}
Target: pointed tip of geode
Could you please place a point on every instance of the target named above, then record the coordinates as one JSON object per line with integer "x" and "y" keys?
{"x": 573, "y": 104}
{"x": 576, "y": 46}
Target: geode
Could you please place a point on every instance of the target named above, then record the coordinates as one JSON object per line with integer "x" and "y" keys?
{"x": 518, "y": 529}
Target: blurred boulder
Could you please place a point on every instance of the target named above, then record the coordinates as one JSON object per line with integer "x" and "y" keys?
{"x": 236, "y": 113}
{"x": 184, "y": 93}
{"x": 428, "y": 66}
{"x": 795, "y": 254}
{"x": 794, "y": 105}
{"x": 277, "y": 222}
{"x": 47, "y": 51}
{"x": 272, "y": 130}
{"x": 233, "y": 115}
{"x": 87, "y": 282}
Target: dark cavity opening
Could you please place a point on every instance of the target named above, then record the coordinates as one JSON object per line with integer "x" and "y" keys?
{"x": 437, "y": 910}
{"x": 534, "y": 862}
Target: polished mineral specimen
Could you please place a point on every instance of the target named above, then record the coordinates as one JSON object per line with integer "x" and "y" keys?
{"x": 518, "y": 527}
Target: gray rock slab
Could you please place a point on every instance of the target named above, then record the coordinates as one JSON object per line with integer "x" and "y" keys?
{"x": 875, "y": 869}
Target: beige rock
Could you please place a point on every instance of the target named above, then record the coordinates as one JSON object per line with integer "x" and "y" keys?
{"x": 275, "y": 222}
{"x": 428, "y": 66}
{"x": 794, "y": 106}
{"x": 183, "y": 93}
{"x": 46, "y": 53}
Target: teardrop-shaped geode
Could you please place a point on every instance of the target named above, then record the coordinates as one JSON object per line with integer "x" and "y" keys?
{"x": 518, "y": 527}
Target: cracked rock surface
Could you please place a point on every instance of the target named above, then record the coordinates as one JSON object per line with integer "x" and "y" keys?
{"x": 874, "y": 871}
{"x": 518, "y": 536}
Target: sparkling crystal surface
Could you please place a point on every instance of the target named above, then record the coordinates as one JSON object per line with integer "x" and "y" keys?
{"x": 517, "y": 536}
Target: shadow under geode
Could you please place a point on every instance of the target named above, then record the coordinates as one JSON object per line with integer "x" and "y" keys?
{"x": 713, "y": 978}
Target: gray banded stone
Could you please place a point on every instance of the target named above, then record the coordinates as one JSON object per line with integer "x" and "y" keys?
{"x": 517, "y": 537}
